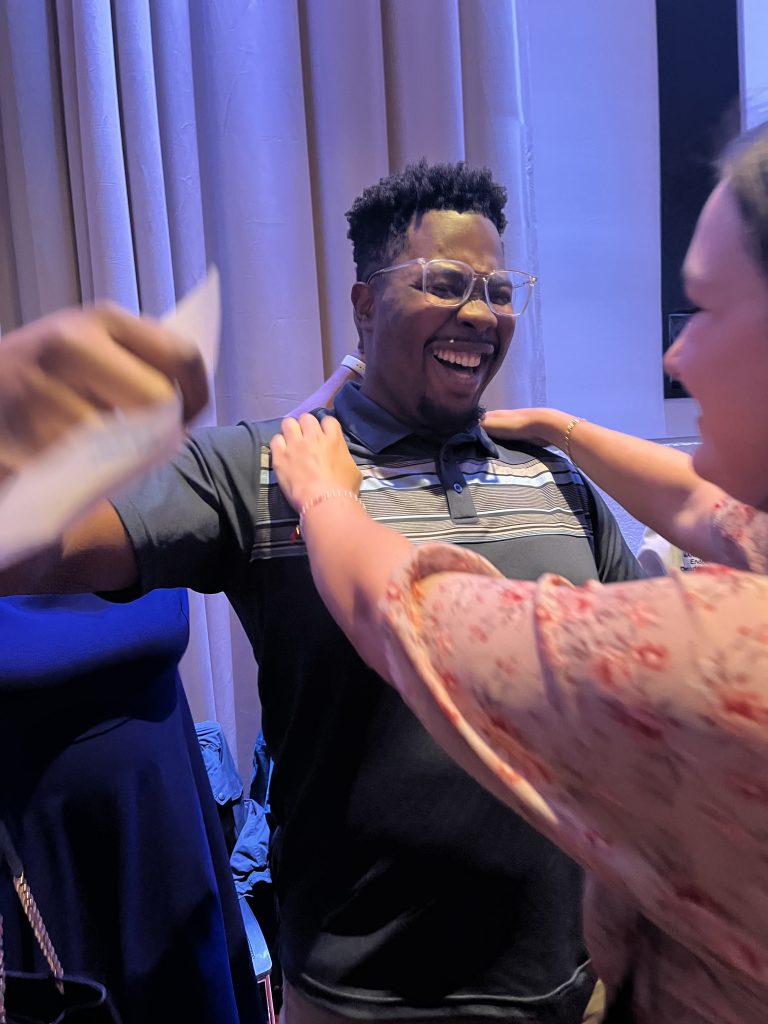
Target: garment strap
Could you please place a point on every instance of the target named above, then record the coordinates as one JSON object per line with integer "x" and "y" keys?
{"x": 32, "y": 914}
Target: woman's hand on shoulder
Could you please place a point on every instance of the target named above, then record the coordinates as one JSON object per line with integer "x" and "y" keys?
{"x": 310, "y": 457}
{"x": 536, "y": 426}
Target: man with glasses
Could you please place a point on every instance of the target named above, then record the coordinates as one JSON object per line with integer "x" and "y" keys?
{"x": 406, "y": 892}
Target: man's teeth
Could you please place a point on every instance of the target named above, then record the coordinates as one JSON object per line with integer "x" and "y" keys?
{"x": 468, "y": 359}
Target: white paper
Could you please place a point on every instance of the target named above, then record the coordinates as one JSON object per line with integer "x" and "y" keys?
{"x": 98, "y": 461}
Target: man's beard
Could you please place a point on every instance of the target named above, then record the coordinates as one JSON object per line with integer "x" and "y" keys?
{"x": 445, "y": 422}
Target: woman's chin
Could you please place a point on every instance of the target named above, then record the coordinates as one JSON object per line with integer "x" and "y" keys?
{"x": 711, "y": 468}
{"x": 746, "y": 487}
{"x": 704, "y": 464}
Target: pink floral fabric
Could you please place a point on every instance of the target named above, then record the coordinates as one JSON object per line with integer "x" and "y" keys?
{"x": 629, "y": 723}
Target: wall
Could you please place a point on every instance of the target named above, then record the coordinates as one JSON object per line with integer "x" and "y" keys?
{"x": 594, "y": 130}
{"x": 754, "y": 60}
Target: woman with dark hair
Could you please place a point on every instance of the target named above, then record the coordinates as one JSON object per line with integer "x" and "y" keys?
{"x": 629, "y": 723}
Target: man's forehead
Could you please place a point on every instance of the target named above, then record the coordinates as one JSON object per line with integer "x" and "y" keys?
{"x": 471, "y": 237}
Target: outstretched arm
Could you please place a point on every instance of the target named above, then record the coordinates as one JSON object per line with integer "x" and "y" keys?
{"x": 655, "y": 484}
{"x": 320, "y": 480}
{"x": 63, "y": 372}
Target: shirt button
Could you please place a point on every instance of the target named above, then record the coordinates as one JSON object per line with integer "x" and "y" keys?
{"x": 458, "y": 488}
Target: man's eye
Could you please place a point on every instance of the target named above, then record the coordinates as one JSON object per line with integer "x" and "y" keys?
{"x": 447, "y": 287}
{"x": 501, "y": 296}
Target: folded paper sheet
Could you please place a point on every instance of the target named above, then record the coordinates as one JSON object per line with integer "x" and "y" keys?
{"x": 98, "y": 461}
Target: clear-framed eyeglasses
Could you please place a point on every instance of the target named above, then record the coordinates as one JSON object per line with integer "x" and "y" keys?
{"x": 452, "y": 282}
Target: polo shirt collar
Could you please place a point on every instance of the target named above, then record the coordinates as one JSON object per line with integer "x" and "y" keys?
{"x": 378, "y": 429}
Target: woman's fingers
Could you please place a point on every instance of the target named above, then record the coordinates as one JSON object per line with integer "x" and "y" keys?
{"x": 310, "y": 456}
{"x": 331, "y": 427}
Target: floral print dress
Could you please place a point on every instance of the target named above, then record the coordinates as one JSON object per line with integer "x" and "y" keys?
{"x": 629, "y": 724}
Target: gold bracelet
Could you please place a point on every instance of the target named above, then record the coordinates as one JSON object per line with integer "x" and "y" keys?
{"x": 318, "y": 500}
{"x": 567, "y": 435}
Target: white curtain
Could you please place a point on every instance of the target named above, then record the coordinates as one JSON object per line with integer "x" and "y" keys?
{"x": 140, "y": 141}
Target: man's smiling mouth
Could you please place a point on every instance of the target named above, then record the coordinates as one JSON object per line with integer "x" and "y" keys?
{"x": 462, "y": 358}
{"x": 467, "y": 360}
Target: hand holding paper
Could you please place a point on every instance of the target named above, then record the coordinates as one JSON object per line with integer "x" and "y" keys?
{"x": 89, "y": 401}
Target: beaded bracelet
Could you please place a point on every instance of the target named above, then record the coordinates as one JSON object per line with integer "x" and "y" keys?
{"x": 567, "y": 435}
{"x": 318, "y": 500}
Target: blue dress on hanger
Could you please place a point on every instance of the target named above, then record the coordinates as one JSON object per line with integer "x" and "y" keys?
{"x": 103, "y": 789}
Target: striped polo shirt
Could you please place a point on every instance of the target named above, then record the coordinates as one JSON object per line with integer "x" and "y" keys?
{"x": 465, "y": 489}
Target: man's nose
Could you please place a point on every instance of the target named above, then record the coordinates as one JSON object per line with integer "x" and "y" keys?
{"x": 476, "y": 313}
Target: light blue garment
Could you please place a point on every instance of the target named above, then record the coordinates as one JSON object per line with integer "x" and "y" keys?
{"x": 223, "y": 775}
{"x": 262, "y": 772}
{"x": 250, "y": 857}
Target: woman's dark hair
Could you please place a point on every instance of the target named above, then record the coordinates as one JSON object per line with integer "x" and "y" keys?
{"x": 379, "y": 218}
{"x": 744, "y": 165}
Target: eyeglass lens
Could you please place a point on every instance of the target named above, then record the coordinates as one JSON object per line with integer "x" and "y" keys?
{"x": 450, "y": 283}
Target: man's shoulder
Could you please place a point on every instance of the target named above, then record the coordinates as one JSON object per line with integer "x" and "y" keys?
{"x": 264, "y": 429}
{"x": 238, "y": 447}
{"x": 516, "y": 453}
{"x": 236, "y": 439}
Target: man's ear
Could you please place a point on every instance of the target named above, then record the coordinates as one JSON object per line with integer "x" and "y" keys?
{"x": 363, "y": 301}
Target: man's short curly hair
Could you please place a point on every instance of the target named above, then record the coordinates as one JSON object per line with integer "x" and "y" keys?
{"x": 379, "y": 218}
